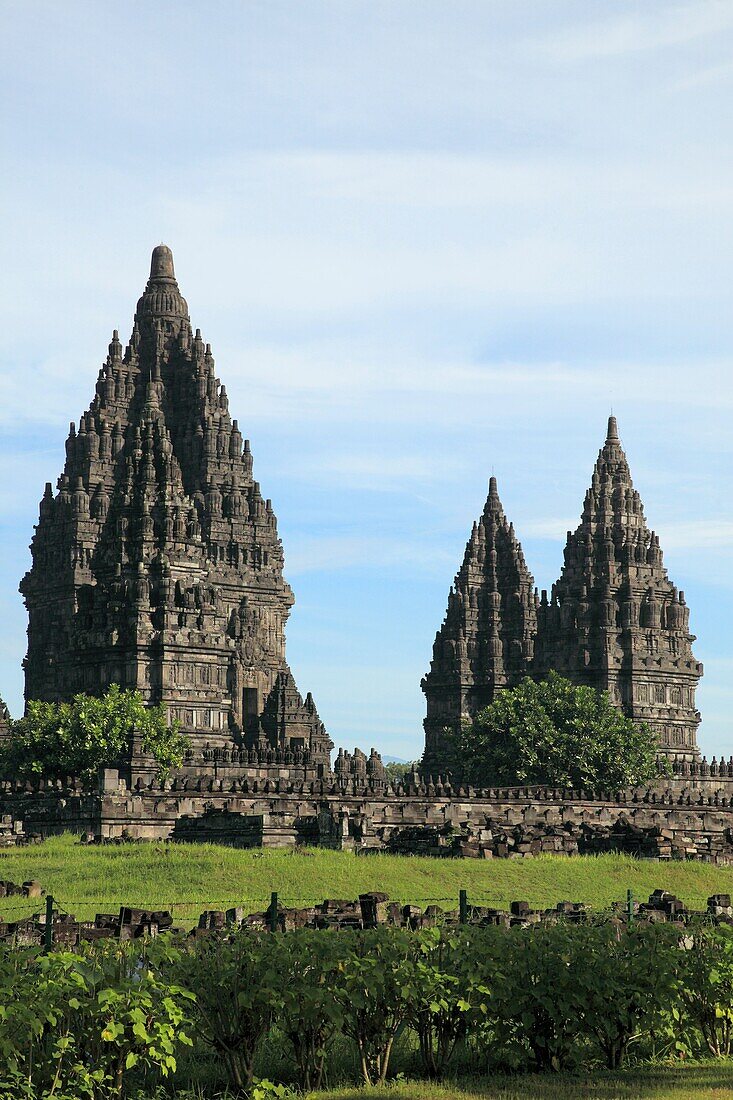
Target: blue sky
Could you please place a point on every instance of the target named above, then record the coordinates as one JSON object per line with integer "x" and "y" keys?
{"x": 427, "y": 241}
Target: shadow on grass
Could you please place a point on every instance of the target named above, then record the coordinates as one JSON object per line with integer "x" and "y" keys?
{"x": 691, "y": 1082}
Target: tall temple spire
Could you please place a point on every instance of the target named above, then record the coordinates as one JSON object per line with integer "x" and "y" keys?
{"x": 486, "y": 639}
{"x": 157, "y": 564}
{"x": 614, "y": 619}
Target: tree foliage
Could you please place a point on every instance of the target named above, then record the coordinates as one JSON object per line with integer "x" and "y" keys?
{"x": 74, "y": 1024}
{"x": 108, "y": 1019}
{"x": 55, "y": 740}
{"x": 553, "y": 732}
{"x": 398, "y": 771}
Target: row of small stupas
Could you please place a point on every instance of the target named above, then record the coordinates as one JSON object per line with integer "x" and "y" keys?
{"x": 613, "y": 620}
{"x": 157, "y": 565}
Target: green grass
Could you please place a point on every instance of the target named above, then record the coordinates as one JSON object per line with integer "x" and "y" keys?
{"x": 701, "y": 1082}
{"x": 190, "y": 878}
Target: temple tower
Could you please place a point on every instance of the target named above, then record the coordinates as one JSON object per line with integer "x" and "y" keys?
{"x": 614, "y": 620}
{"x": 157, "y": 563}
{"x": 486, "y": 641}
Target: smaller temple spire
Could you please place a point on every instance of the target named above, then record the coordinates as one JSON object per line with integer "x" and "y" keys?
{"x": 486, "y": 639}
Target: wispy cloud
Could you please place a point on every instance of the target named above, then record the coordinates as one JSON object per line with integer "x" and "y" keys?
{"x": 326, "y": 553}
{"x": 699, "y": 534}
{"x": 714, "y": 74}
{"x": 652, "y": 27}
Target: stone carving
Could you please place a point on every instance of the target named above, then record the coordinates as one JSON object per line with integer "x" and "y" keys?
{"x": 613, "y": 620}
{"x": 157, "y": 563}
{"x": 487, "y": 638}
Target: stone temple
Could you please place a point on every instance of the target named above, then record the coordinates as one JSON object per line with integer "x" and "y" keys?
{"x": 613, "y": 620}
{"x": 157, "y": 563}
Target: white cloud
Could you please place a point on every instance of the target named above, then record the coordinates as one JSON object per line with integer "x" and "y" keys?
{"x": 554, "y": 530}
{"x": 699, "y": 534}
{"x": 715, "y": 74}
{"x": 651, "y": 27}
{"x": 325, "y": 553}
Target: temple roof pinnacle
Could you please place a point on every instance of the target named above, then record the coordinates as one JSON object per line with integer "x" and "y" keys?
{"x": 161, "y": 263}
{"x": 162, "y": 301}
{"x": 612, "y": 433}
{"x": 493, "y": 503}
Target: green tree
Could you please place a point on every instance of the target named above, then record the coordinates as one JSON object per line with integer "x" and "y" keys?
{"x": 706, "y": 972}
{"x": 238, "y": 981}
{"x": 54, "y": 740}
{"x": 396, "y": 772}
{"x": 552, "y": 732}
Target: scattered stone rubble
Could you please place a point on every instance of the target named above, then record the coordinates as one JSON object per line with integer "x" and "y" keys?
{"x": 12, "y": 833}
{"x": 368, "y": 911}
{"x": 29, "y": 889}
{"x": 495, "y": 840}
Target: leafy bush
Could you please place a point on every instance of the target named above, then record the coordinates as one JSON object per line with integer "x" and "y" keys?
{"x": 108, "y": 1019}
{"x": 309, "y": 1013}
{"x": 238, "y": 983}
{"x": 75, "y": 1023}
{"x": 447, "y": 994}
{"x": 626, "y": 981}
{"x": 537, "y": 1005}
{"x": 552, "y": 732}
{"x": 374, "y": 991}
{"x": 55, "y": 740}
{"x": 706, "y": 975}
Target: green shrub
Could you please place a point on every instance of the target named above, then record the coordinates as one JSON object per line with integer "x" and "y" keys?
{"x": 537, "y": 1004}
{"x": 107, "y": 1019}
{"x": 238, "y": 982}
{"x": 75, "y": 1023}
{"x": 375, "y": 988}
{"x": 56, "y": 740}
{"x": 626, "y": 981}
{"x": 309, "y": 1013}
{"x": 447, "y": 993}
{"x": 706, "y": 977}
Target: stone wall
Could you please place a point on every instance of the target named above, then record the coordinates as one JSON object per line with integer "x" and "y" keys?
{"x": 679, "y": 820}
{"x": 689, "y": 816}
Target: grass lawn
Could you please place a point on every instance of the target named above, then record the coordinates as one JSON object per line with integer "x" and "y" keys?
{"x": 701, "y": 1082}
{"x": 190, "y": 878}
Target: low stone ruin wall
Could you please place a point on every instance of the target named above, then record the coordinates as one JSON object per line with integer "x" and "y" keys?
{"x": 368, "y": 911}
{"x": 660, "y": 823}
{"x": 517, "y": 822}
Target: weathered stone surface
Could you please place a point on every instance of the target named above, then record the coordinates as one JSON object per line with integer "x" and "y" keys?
{"x": 157, "y": 563}
{"x": 336, "y": 915}
{"x": 613, "y": 620}
{"x": 487, "y": 638}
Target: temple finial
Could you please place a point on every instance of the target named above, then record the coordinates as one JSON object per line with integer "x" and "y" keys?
{"x": 161, "y": 263}
{"x": 612, "y": 434}
{"x": 493, "y": 503}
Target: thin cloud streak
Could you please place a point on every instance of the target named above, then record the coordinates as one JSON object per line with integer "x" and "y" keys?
{"x": 650, "y": 29}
